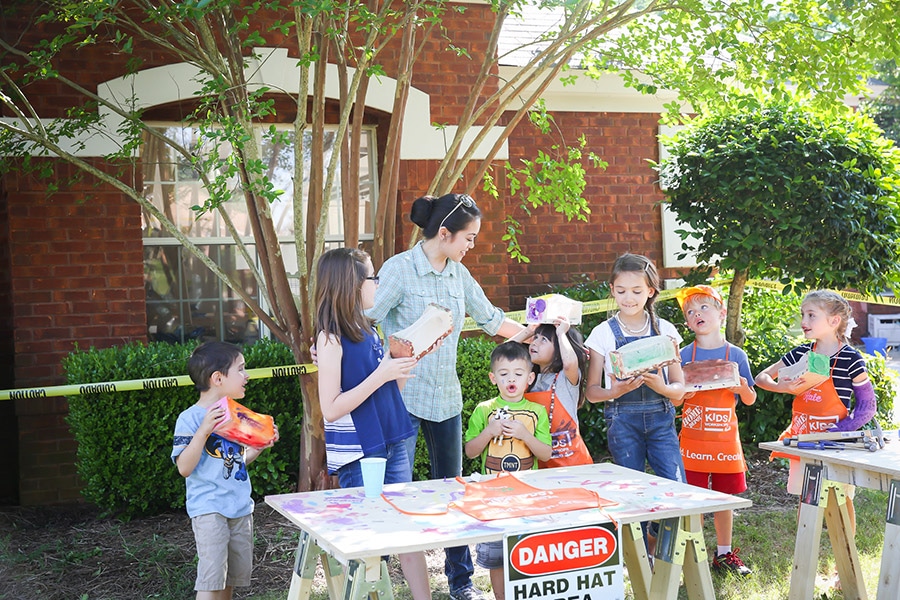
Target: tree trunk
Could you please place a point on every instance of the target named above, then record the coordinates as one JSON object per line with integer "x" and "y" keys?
{"x": 733, "y": 331}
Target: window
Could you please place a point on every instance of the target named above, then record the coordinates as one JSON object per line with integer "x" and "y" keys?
{"x": 184, "y": 299}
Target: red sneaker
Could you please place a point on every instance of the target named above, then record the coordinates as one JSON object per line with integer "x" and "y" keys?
{"x": 731, "y": 562}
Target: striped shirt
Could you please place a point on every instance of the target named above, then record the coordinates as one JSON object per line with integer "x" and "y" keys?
{"x": 846, "y": 365}
{"x": 408, "y": 284}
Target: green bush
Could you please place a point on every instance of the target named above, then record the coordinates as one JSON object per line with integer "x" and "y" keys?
{"x": 771, "y": 322}
{"x": 125, "y": 438}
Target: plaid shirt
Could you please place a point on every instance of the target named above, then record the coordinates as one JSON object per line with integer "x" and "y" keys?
{"x": 408, "y": 284}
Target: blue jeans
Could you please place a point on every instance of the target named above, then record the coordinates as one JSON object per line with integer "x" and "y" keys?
{"x": 396, "y": 469}
{"x": 444, "y": 442}
{"x": 644, "y": 432}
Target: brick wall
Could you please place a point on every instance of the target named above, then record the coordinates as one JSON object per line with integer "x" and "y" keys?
{"x": 76, "y": 277}
{"x": 9, "y": 442}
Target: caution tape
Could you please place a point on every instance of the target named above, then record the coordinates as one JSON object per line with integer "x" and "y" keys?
{"x": 130, "y": 385}
{"x": 849, "y": 296}
{"x": 587, "y": 308}
{"x": 592, "y": 307}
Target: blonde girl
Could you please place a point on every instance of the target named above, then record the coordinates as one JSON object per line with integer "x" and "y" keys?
{"x": 640, "y": 411}
{"x": 826, "y": 318}
{"x": 358, "y": 386}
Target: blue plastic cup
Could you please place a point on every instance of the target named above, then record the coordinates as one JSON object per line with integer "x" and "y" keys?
{"x": 373, "y": 475}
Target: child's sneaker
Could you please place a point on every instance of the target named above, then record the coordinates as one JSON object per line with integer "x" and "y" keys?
{"x": 731, "y": 562}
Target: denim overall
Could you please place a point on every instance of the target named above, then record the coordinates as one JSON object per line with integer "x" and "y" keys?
{"x": 641, "y": 426}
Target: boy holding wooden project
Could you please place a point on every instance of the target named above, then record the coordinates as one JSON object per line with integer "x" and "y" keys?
{"x": 710, "y": 442}
{"x": 215, "y": 471}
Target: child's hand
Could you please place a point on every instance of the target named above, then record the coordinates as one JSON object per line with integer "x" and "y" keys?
{"x": 396, "y": 368}
{"x": 313, "y": 352}
{"x": 272, "y": 441}
{"x": 689, "y": 395}
{"x": 620, "y": 387}
{"x": 655, "y": 380}
{"x": 514, "y": 429}
{"x": 213, "y": 417}
{"x": 737, "y": 389}
{"x": 494, "y": 429}
{"x": 562, "y": 326}
{"x": 795, "y": 386}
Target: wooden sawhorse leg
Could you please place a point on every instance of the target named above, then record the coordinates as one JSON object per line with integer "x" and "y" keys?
{"x": 888, "y": 581}
{"x": 305, "y": 562}
{"x": 824, "y": 498}
{"x": 368, "y": 577}
{"x": 635, "y": 554}
{"x": 680, "y": 546}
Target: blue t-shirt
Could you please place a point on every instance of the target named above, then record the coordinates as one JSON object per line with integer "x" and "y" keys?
{"x": 219, "y": 483}
{"x": 381, "y": 419}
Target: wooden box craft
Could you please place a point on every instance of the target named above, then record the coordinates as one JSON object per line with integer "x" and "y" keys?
{"x": 244, "y": 426}
{"x": 544, "y": 309}
{"x": 421, "y": 337}
{"x": 645, "y": 354}
{"x": 813, "y": 367}
{"x": 712, "y": 374}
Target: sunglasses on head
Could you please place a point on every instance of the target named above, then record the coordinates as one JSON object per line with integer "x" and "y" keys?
{"x": 461, "y": 200}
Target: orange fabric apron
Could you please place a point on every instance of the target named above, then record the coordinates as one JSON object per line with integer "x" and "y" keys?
{"x": 506, "y": 496}
{"x": 814, "y": 411}
{"x": 710, "y": 442}
{"x": 568, "y": 448}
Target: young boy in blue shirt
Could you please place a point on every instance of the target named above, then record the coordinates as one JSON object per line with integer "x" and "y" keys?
{"x": 710, "y": 442}
{"x": 215, "y": 470}
{"x": 509, "y": 433}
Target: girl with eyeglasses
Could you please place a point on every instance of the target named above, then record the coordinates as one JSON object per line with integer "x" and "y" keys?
{"x": 432, "y": 272}
{"x": 359, "y": 387}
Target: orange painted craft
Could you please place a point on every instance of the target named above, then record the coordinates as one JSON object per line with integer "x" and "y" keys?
{"x": 244, "y": 426}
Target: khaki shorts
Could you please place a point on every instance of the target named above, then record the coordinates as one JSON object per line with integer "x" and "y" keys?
{"x": 795, "y": 481}
{"x": 224, "y": 551}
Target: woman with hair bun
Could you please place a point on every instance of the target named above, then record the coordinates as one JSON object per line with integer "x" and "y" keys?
{"x": 432, "y": 271}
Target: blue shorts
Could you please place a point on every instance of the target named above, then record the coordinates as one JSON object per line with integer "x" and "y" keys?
{"x": 489, "y": 555}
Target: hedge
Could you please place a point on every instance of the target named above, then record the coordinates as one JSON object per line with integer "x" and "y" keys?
{"x": 125, "y": 438}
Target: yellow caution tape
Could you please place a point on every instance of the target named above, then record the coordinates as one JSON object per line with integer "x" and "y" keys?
{"x": 129, "y": 385}
{"x": 592, "y": 307}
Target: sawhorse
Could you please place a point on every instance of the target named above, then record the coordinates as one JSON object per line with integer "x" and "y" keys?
{"x": 679, "y": 548}
{"x": 363, "y": 578}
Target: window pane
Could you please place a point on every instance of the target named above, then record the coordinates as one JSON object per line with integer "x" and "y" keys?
{"x": 184, "y": 299}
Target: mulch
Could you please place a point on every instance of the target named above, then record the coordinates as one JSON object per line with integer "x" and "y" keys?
{"x": 71, "y": 551}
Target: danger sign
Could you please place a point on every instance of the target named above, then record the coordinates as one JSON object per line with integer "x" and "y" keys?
{"x": 583, "y": 563}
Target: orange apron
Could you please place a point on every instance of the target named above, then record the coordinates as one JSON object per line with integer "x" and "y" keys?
{"x": 710, "y": 442}
{"x": 567, "y": 445}
{"x": 814, "y": 411}
{"x": 506, "y": 496}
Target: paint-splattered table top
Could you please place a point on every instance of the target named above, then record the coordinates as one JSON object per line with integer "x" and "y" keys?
{"x": 348, "y": 525}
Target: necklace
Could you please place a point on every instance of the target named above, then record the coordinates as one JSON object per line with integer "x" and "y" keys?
{"x": 638, "y": 331}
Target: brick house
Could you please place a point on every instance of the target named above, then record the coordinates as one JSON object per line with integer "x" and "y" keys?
{"x": 73, "y": 263}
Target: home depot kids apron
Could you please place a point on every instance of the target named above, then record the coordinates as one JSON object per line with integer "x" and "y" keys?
{"x": 710, "y": 442}
{"x": 814, "y": 411}
{"x": 568, "y": 447}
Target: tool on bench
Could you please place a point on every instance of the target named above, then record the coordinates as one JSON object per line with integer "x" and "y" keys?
{"x": 865, "y": 439}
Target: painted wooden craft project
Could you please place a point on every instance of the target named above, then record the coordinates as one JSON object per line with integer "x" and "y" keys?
{"x": 244, "y": 426}
{"x": 645, "y": 354}
{"x": 544, "y": 309}
{"x": 712, "y": 374}
{"x": 813, "y": 367}
{"x": 421, "y": 337}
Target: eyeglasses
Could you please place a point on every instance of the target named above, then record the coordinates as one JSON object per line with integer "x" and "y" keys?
{"x": 374, "y": 278}
{"x": 462, "y": 200}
